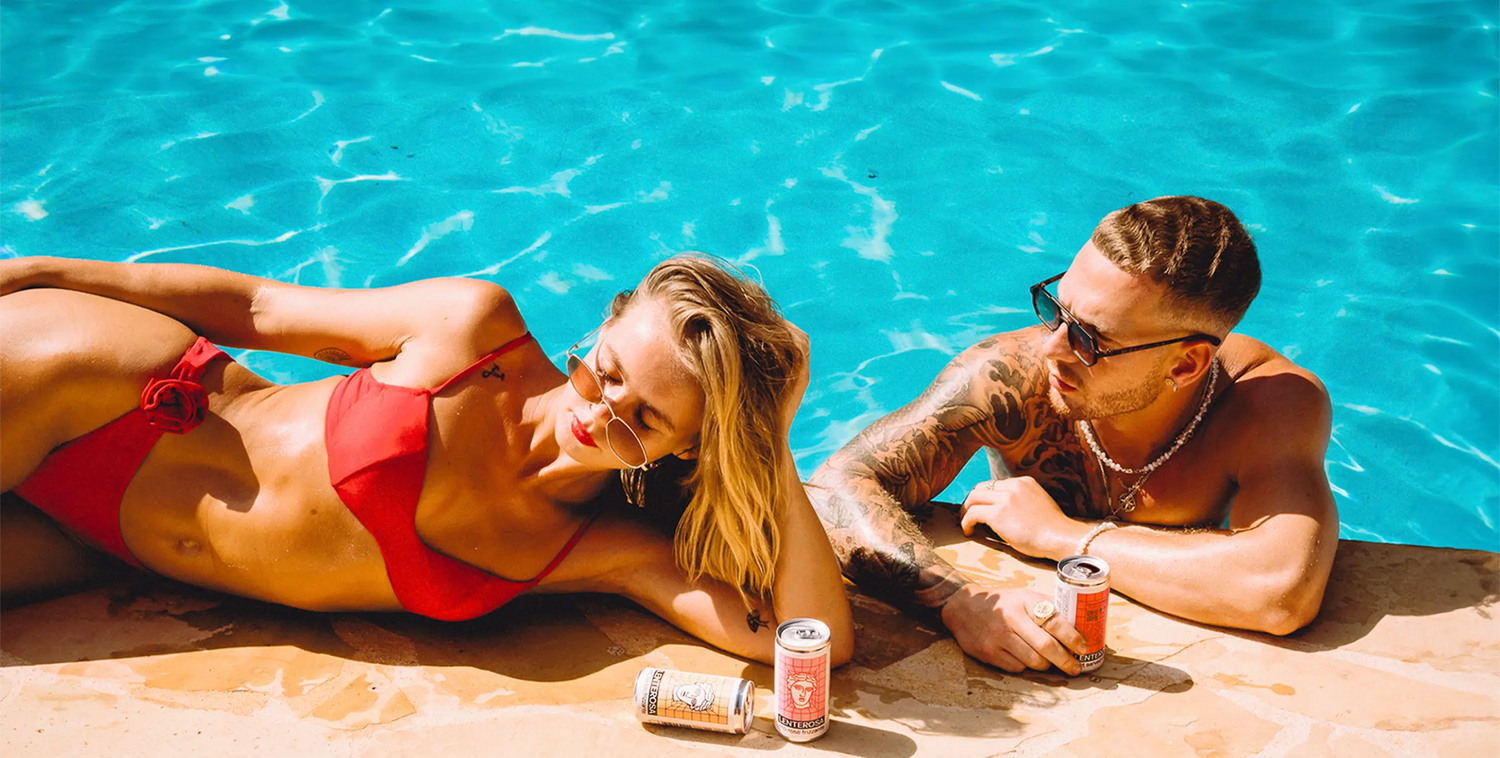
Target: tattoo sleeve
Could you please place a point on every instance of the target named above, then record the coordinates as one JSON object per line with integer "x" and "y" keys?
{"x": 866, "y": 491}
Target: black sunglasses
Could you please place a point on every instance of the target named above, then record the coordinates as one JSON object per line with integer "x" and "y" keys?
{"x": 1082, "y": 338}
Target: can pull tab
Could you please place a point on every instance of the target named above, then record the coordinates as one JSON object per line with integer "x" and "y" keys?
{"x": 1081, "y": 571}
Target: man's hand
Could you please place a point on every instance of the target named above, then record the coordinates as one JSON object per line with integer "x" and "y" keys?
{"x": 1021, "y": 513}
{"x": 996, "y": 627}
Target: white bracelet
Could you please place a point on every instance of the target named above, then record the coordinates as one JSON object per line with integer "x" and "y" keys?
{"x": 1100, "y": 528}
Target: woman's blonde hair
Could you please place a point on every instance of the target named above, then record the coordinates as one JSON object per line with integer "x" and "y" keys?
{"x": 733, "y": 339}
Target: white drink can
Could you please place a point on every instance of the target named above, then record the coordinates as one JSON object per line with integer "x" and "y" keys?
{"x": 699, "y": 701}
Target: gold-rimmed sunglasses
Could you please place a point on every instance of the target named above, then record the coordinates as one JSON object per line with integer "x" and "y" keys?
{"x": 618, "y": 435}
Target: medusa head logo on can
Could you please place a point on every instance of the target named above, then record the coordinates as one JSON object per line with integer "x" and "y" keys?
{"x": 802, "y": 686}
{"x": 697, "y": 697}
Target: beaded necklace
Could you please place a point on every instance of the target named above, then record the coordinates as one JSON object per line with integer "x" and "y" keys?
{"x": 1127, "y": 499}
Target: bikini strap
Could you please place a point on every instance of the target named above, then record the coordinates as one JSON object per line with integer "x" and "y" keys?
{"x": 476, "y": 365}
{"x": 568, "y": 548}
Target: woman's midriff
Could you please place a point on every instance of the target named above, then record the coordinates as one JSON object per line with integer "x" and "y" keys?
{"x": 243, "y": 504}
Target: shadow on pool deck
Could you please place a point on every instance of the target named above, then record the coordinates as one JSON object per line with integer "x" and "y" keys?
{"x": 1403, "y": 660}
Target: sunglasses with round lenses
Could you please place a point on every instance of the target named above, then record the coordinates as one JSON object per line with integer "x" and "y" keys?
{"x": 1080, "y": 338}
{"x": 622, "y": 440}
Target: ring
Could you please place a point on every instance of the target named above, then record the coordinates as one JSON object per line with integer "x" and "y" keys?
{"x": 1043, "y": 610}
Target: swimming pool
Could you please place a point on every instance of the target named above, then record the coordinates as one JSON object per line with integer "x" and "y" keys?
{"x": 898, "y": 172}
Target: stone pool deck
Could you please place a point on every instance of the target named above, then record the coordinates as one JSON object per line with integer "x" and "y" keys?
{"x": 1403, "y": 661}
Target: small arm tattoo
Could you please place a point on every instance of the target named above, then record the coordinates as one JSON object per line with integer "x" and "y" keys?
{"x": 755, "y": 622}
{"x": 334, "y": 355}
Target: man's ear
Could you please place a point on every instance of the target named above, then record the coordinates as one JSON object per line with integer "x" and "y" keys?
{"x": 1191, "y": 364}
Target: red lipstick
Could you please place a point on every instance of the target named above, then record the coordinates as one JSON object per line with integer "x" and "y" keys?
{"x": 582, "y": 434}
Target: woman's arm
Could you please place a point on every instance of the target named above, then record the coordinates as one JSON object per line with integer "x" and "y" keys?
{"x": 624, "y": 557}
{"x": 808, "y": 582}
{"x": 349, "y": 327}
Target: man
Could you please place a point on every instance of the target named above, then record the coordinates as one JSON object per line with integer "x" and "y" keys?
{"x": 1132, "y": 425}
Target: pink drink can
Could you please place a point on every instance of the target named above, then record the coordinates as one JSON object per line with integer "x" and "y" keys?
{"x": 1082, "y": 597}
{"x": 802, "y": 647}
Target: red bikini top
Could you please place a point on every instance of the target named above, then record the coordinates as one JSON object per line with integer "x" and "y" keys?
{"x": 376, "y": 436}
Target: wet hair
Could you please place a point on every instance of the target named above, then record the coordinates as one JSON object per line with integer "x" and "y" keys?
{"x": 746, "y": 357}
{"x": 1196, "y": 247}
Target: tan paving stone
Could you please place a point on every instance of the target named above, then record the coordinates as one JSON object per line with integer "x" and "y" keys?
{"x": 1404, "y": 661}
{"x": 1184, "y": 720}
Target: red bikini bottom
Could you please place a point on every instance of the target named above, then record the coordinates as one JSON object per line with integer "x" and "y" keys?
{"x": 82, "y": 483}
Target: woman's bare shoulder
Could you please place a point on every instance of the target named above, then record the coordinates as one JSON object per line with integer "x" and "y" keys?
{"x": 474, "y": 311}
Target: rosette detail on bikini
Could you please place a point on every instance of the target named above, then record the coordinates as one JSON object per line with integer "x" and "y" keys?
{"x": 178, "y": 403}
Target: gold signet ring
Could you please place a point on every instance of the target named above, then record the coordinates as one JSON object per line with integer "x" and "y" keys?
{"x": 1043, "y": 610}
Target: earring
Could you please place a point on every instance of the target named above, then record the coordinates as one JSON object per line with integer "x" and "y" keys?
{"x": 634, "y": 484}
{"x": 1173, "y": 383}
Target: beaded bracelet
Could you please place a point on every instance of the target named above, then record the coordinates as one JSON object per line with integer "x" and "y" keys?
{"x": 1100, "y": 528}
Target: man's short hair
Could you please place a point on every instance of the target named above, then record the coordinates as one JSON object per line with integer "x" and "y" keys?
{"x": 1196, "y": 247}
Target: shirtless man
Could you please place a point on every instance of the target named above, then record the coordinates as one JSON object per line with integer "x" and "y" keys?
{"x": 1130, "y": 424}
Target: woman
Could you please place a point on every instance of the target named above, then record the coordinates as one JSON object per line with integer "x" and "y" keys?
{"x": 457, "y": 456}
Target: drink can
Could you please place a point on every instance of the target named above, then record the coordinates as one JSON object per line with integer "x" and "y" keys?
{"x": 802, "y": 647}
{"x": 699, "y": 701}
{"x": 1082, "y": 597}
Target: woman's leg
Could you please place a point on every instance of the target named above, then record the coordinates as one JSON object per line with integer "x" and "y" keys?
{"x": 38, "y": 559}
{"x": 71, "y": 364}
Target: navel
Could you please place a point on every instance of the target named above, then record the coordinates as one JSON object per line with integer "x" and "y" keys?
{"x": 189, "y": 548}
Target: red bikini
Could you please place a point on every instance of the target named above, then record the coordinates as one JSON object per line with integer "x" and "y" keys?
{"x": 82, "y": 483}
{"x": 376, "y": 436}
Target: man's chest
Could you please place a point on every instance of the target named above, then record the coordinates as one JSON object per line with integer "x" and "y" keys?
{"x": 1191, "y": 488}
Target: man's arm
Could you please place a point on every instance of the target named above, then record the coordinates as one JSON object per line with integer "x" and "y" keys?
{"x": 1267, "y": 572}
{"x": 863, "y": 492}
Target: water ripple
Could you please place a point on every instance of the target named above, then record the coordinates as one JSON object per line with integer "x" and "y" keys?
{"x": 897, "y": 173}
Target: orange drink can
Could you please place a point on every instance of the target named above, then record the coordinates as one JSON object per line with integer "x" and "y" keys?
{"x": 1082, "y": 597}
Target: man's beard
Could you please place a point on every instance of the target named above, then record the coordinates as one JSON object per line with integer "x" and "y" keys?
{"x": 1081, "y": 408}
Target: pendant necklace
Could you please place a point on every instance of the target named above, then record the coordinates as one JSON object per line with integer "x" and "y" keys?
{"x": 1127, "y": 500}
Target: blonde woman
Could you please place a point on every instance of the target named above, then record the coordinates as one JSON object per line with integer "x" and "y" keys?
{"x": 456, "y": 462}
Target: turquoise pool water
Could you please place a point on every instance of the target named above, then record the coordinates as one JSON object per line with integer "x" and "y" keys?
{"x": 898, "y": 172}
